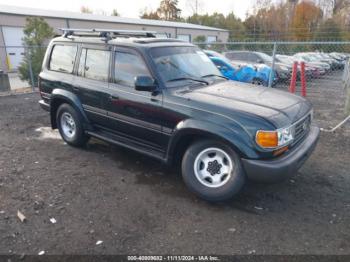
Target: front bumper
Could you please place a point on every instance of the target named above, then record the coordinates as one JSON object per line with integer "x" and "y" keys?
{"x": 44, "y": 105}
{"x": 284, "y": 166}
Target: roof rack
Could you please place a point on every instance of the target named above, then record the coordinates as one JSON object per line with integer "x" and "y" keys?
{"x": 107, "y": 33}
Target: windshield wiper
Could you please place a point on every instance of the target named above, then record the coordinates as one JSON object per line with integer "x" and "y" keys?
{"x": 189, "y": 78}
{"x": 210, "y": 75}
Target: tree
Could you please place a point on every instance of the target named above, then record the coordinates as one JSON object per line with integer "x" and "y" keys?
{"x": 328, "y": 31}
{"x": 235, "y": 26}
{"x": 268, "y": 23}
{"x": 229, "y": 22}
{"x": 145, "y": 14}
{"x": 195, "y": 6}
{"x": 306, "y": 18}
{"x": 115, "y": 13}
{"x": 36, "y": 33}
{"x": 85, "y": 10}
{"x": 200, "y": 40}
{"x": 168, "y": 10}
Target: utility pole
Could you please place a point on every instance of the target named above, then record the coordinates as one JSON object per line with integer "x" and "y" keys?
{"x": 196, "y": 7}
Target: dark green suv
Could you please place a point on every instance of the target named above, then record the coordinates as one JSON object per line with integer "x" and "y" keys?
{"x": 166, "y": 99}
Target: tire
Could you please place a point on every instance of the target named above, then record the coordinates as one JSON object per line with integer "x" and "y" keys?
{"x": 220, "y": 186}
{"x": 70, "y": 126}
{"x": 257, "y": 82}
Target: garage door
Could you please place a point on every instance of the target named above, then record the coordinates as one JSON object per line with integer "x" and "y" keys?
{"x": 186, "y": 38}
{"x": 13, "y": 42}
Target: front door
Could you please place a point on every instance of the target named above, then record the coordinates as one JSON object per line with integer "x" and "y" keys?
{"x": 135, "y": 114}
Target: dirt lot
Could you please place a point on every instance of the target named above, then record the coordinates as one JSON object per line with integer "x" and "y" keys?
{"x": 135, "y": 205}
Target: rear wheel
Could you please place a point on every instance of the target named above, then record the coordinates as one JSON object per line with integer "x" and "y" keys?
{"x": 212, "y": 170}
{"x": 70, "y": 126}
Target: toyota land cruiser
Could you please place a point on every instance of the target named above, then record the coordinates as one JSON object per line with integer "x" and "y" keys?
{"x": 166, "y": 99}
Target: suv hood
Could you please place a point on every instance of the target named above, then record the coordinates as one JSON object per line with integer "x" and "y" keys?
{"x": 278, "y": 107}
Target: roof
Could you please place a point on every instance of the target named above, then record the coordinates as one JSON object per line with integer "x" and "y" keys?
{"x": 15, "y": 10}
{"x": 142, "y": 42}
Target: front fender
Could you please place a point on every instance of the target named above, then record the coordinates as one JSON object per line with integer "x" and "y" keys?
{"x": 59, "y": 95}
{"x": 237, "y": 138}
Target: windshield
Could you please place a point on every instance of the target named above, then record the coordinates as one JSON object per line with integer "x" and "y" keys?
{"x": 178, "y": 65}
{"x": 221, "y": 56}
{"x": 266, "y": 57}
{"x": 285, "y": 59}
{"x": 307, "y": 58}
{"x": 313, "y": 58}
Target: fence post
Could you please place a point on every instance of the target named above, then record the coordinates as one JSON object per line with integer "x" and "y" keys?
{"x": 293, "y": 79}
{"x": 346, "y": 83}
{"x": 273, "y": 64}
{"x": 30, "y": 69}
{"x": 303, "y": 79}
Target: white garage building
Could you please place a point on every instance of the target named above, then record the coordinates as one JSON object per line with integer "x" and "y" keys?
{"x": 13, "y": 19}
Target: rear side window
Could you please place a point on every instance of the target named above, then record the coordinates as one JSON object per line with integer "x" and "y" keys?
{"x": 62, "y": 58}
{"x": 94, "y": 64}
{"x": 236, "y": 56}
{"x": 127, "y": 67}
{"x": 241, "y": 56}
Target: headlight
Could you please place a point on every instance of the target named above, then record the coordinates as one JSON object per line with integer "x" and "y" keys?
{"x": 275, "y": 139}
{"x": 284, "y": 68}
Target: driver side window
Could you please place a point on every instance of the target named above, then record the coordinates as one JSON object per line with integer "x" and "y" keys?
{"x": 127, "y": 67}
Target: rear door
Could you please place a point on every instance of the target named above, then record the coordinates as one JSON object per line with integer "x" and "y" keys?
{"x": 59, "y": 69}
{"x": 91, "y": 83}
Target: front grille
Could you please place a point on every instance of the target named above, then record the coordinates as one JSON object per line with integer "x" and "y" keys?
{"x": 302, "y": 128}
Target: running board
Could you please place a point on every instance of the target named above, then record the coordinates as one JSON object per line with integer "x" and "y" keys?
{"x": 127, "y": 143}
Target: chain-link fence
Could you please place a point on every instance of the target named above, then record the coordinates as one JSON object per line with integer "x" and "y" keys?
{"x": 316, "y": 65}
{"x": 20, "y": 66}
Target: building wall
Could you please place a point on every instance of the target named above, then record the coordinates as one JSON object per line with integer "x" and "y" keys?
{"x": 3, "y": 65}
{"x": 56, "y": 23}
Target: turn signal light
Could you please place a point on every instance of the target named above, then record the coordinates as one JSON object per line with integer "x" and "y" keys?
{"x": 267, "y": 139}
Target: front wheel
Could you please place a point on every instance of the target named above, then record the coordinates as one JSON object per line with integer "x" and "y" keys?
{"x": 258, "y": 82}
{"x": 212, "y": 170}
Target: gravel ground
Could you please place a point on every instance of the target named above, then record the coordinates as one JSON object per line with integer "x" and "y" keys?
{"x": 136, "y": 206}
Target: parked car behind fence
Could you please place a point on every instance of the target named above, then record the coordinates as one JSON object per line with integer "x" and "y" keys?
{"x": 242, "y": 72}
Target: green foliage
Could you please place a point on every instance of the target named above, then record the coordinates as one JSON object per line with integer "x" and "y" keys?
{"x": 229, "y": 22}
{"x": 149, "y": 15}
{"x": 36, "y": 33}
{"x": 168, "y": 10}
{"x": 199, "y": 40}
{"x": 85, "y": 10}
{"x": 115, "y": 13}
{"x": 329, "y": 31}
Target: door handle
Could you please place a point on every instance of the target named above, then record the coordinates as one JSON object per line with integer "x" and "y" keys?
{"x": 113, "y": 98}
{"x": 155, "y": 100}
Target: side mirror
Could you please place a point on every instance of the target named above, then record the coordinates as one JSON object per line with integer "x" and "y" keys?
{"x": 145, "y": 83}
{"x": 260, "y": 61}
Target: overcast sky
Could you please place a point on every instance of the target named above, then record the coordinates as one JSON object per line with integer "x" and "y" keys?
{"x": 132, "y": 8}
